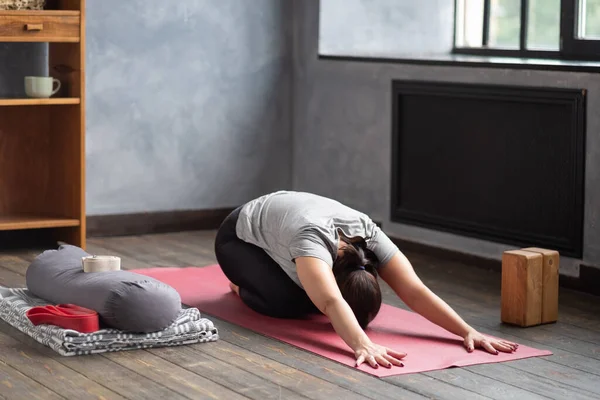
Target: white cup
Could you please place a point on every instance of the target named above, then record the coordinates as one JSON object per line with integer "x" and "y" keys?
{"x": 41, "y": 86}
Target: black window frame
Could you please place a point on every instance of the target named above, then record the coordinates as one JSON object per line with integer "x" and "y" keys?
{"x": 570, "y": 46}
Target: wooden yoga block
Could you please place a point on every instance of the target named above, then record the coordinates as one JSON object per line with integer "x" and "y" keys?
{"x": 550, "y": 277}
{"x": 521, "y": 288}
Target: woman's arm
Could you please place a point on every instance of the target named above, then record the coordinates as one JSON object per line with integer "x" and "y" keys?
{"x": 400, "y": 275}
{"x": 320, "y": 285}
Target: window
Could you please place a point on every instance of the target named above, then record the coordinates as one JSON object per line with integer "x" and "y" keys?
{"x": 567, "y": 29}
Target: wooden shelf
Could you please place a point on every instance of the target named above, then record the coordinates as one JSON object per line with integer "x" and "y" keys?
{"x": 39, "y": 102}
{"x": 40, "y": 26}
{"x": 40, "y": 13}
{"x": 16, "y": 222}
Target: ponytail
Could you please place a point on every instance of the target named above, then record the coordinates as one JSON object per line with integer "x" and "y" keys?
{"x": 355, "y": 271}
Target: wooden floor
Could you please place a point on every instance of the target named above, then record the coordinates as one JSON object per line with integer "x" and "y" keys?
{"x": 245, "y": 365}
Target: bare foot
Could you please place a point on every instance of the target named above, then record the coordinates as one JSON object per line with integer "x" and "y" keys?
{"x": 234, "y": 288}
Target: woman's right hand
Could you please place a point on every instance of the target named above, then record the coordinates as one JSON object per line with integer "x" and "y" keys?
{"x": 377, "y": 355}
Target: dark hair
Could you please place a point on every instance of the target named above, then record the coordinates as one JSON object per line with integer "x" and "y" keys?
{"x": 359, "y": 286}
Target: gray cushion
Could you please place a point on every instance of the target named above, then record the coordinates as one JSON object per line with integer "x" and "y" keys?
{"x": 124, "y": 300}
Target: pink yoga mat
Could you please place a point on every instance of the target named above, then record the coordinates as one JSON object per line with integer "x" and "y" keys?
{"x": 428, "y": 346}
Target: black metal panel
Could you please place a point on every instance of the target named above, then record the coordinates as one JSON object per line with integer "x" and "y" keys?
{"x": 500, "y": 163}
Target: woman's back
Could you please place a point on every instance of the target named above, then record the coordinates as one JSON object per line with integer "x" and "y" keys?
{"x": 288, "y": 224}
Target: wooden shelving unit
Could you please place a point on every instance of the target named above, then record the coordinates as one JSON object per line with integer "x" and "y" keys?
{"x": 37, "y": 102}
{"x": 32, "y": 222}
{"x": 42, "y": 141}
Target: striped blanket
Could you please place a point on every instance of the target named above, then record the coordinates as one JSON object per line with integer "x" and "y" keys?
{"x": 188, "y": 328}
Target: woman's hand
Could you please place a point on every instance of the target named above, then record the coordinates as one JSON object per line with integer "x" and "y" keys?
{"x": 474, "y": 339}
{"x": 377, "y": 355}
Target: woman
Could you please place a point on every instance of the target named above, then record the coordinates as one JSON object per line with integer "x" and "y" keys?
{"x": 290, "y": 254}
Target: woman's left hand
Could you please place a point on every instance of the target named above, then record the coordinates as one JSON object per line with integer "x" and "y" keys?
{"x": 475, "y": 339}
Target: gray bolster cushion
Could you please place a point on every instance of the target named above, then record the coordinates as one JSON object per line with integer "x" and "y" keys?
{"x": 124, "y": 300}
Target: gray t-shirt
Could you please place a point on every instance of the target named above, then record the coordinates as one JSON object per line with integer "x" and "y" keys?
{"x": 289, "y": 224}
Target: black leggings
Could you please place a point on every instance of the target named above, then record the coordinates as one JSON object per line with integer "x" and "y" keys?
{"x": 264, "y": 286}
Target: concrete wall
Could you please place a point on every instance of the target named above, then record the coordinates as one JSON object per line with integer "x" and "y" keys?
{"x": 342, "y": 133}
{"x": 368, "y": 28}
{"x": 189, "y": 103}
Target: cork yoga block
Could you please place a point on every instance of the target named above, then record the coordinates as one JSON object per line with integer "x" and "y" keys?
{"x": 521, "y": 288}
{"x": 550, "y": 276}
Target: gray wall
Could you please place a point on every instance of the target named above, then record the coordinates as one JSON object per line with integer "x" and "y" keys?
{"x": 342, "y": 133}
{"x": 370, "y": 27}
{"x": 188, "y": 103}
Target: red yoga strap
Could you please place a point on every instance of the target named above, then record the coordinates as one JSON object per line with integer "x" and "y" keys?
{"x": 67, "y": 316}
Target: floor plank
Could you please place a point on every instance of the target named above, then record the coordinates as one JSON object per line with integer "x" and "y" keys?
{"x": 433, "y": 388}
{"x": 196, "y": 245}
{"x": 15, "y": 385}
{"x": 194, "y": 359}
{"x": 138, "y": 248}
{"x": 173, "y": 376}
{"x": 178, "y": 250}
{"x": 294, "y": 379}
{"x": 98, "y": 247}
{"x": 544, "y": 386}
{"x": 574, "y": 332}
{"x": 101, "y": 370}
{"x": 483, "y": 385}
{"x": 50, "y": 373}
{"x": 13, "y": 263}
{"x": 560, "y": 373}
{"x": 11, "y": 279}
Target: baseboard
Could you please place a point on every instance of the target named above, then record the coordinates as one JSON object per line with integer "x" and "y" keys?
{"x": 587, "y": 282}
{"x": 155, "y": 222}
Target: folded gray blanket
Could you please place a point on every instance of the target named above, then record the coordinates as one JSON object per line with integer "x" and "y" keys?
{"x": 188, "y": 328}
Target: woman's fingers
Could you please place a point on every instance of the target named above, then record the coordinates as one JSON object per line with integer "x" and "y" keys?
{"x": 512, "y": 345}
{"x": 369, "y": 359}
{"x": 487, "y": 346}
{"x": 372, "y": 362}
{"x": 469, "y": 344}
{"x": 502, "y": 347}
{"x": 491, "y": 345}
{"x": 396, "y": 354}
{"x": 360, "y": 360}
{"x": 394, "y": 360}
{"x": 382, "y": 360}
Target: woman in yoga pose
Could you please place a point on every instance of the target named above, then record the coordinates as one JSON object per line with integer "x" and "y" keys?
{"x": 290, "y": 254}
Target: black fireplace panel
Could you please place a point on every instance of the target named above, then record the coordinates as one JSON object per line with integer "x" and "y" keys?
{"x": 494, "y": 162}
